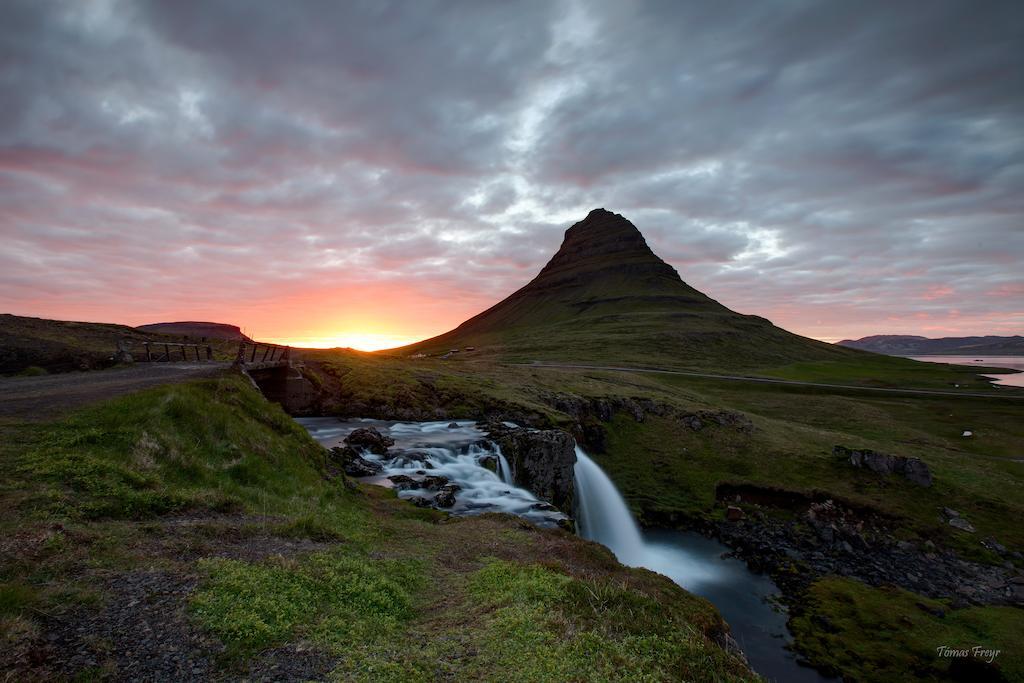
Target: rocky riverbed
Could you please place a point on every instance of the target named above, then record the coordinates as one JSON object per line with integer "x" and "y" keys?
{"x": 829, "y": 538}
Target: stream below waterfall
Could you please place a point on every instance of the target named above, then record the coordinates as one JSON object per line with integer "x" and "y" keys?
{"x": 460, "y": 452}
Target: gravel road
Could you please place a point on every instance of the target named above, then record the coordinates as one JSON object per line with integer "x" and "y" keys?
{"x": 49, "y": 395}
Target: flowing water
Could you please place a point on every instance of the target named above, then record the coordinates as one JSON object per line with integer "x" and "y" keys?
{"x": 748, "y": 601}
{"x": 459, "y": 453}
{"x": 1015, "y": 379}
{"x": 700, "y": 565}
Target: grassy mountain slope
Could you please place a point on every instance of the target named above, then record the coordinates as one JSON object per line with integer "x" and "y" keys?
{"x": 606, "y": 297}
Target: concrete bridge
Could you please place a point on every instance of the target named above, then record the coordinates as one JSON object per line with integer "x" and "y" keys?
{"x": 277, "y": 374}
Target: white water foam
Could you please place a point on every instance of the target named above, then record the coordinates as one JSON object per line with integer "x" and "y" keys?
{"x": 458, "y": 453}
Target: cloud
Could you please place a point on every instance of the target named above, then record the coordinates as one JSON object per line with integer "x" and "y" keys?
{"x": 841, "y": 169}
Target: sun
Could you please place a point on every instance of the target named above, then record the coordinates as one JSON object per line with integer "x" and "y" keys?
{"x": 361, "y": 341}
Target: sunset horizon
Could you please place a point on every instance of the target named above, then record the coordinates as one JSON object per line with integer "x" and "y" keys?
{"x": 534, "y": 341}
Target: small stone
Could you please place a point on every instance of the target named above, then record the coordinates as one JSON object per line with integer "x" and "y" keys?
{"x": 734, "y": 514}
{"x": 961, "y": 524}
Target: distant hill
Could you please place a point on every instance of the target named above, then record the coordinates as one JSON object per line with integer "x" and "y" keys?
{"x": 27, "y": 344}
{"x": 910, "y": 345}
{"x": 606, "y": 297}
{"x": 59, "y": 345}
{"x": 196, "y": 330}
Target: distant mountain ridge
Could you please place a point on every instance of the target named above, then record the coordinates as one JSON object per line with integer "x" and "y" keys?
{"x": 606, "y": 297}
{"x": 912, "y": 345}
{"x": 196, "y": 330}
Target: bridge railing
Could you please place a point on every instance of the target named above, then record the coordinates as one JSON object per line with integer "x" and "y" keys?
{"x": 169, "y": 352}
{"x": 255, "y": 353}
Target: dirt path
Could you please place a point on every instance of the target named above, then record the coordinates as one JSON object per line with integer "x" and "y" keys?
{"x": 31, "y": 398}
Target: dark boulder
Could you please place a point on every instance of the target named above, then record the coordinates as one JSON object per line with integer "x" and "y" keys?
{"x": 912, "y": 469}
{"x": 353, "y": 464}
{"x": 541, "y": 460}
{"x": 446, "y": 497}
{"x": 370, "y": 439}
{"x": 434, "y": 482}
{"x": 403, "y": 482}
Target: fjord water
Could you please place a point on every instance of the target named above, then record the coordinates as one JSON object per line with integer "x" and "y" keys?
{"x": 698, "y": 564}
{"x": 1015, "y": 379}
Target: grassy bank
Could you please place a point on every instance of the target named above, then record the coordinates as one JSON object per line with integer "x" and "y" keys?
{"x": 204, "y": 517}
{"x": 884, "y": 633}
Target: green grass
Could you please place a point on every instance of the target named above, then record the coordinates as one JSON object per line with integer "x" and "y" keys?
{"x": 880, "y": 634}
{"x": 213, "y": 445}
{"x": 334, "y": 599}
{"x": 876, "y": 370}
{"x": 545, "y": 626}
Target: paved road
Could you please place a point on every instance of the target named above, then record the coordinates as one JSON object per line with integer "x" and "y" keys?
{"x": 768, "y": 380}
{"x": 40, "y": 397}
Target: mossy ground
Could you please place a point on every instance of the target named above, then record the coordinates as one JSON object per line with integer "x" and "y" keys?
{"x": 888, "y": 634}
{"x": 208, "y": 480}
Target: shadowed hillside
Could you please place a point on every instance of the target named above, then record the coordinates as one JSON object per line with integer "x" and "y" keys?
{"x": 40, "y": 346}
{"x": 197, "y": 330}
{"x": 605, "y": 296}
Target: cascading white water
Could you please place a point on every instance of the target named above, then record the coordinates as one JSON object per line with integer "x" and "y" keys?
{"x": 603, "y": 516}
{"x": 504, "y": 469}
{"x": 457, "y": 453}
{"x": 602, "y": 513}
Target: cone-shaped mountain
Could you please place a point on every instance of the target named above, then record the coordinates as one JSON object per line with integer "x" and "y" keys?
{"x": 606, "y": 297}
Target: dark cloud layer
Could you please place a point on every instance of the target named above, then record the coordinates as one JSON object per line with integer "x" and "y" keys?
{"x": 843, "y": 168}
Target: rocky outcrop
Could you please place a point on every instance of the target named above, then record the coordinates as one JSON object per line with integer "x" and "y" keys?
{"x": 353, "y": 464}
{"x": 829, "y": 538}
{"x": 542, "y": 461}
{"x": 370, "y": 439}
{"x": 912, "y": 469}
{"x": 591, "y": 414}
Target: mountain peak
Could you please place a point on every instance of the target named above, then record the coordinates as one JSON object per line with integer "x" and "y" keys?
{"x": 604, "y": 240}
{"x": 606, "y": 295}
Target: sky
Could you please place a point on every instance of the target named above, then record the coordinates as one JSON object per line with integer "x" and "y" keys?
{"x": 373, "y": 173}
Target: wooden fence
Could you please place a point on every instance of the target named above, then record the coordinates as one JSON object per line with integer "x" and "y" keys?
{"x": 258, "y": 353}
{"x": 168, "y": 352}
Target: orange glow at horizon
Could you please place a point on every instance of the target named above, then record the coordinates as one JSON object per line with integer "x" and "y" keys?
{"x": 360, "y": 341}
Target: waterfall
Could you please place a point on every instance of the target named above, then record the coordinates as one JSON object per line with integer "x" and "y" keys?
{"x": 504, "y": 470}
{"x": 602, "y": 513}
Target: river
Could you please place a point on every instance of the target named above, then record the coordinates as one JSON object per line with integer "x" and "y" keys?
{"x": 460, "y": 452}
